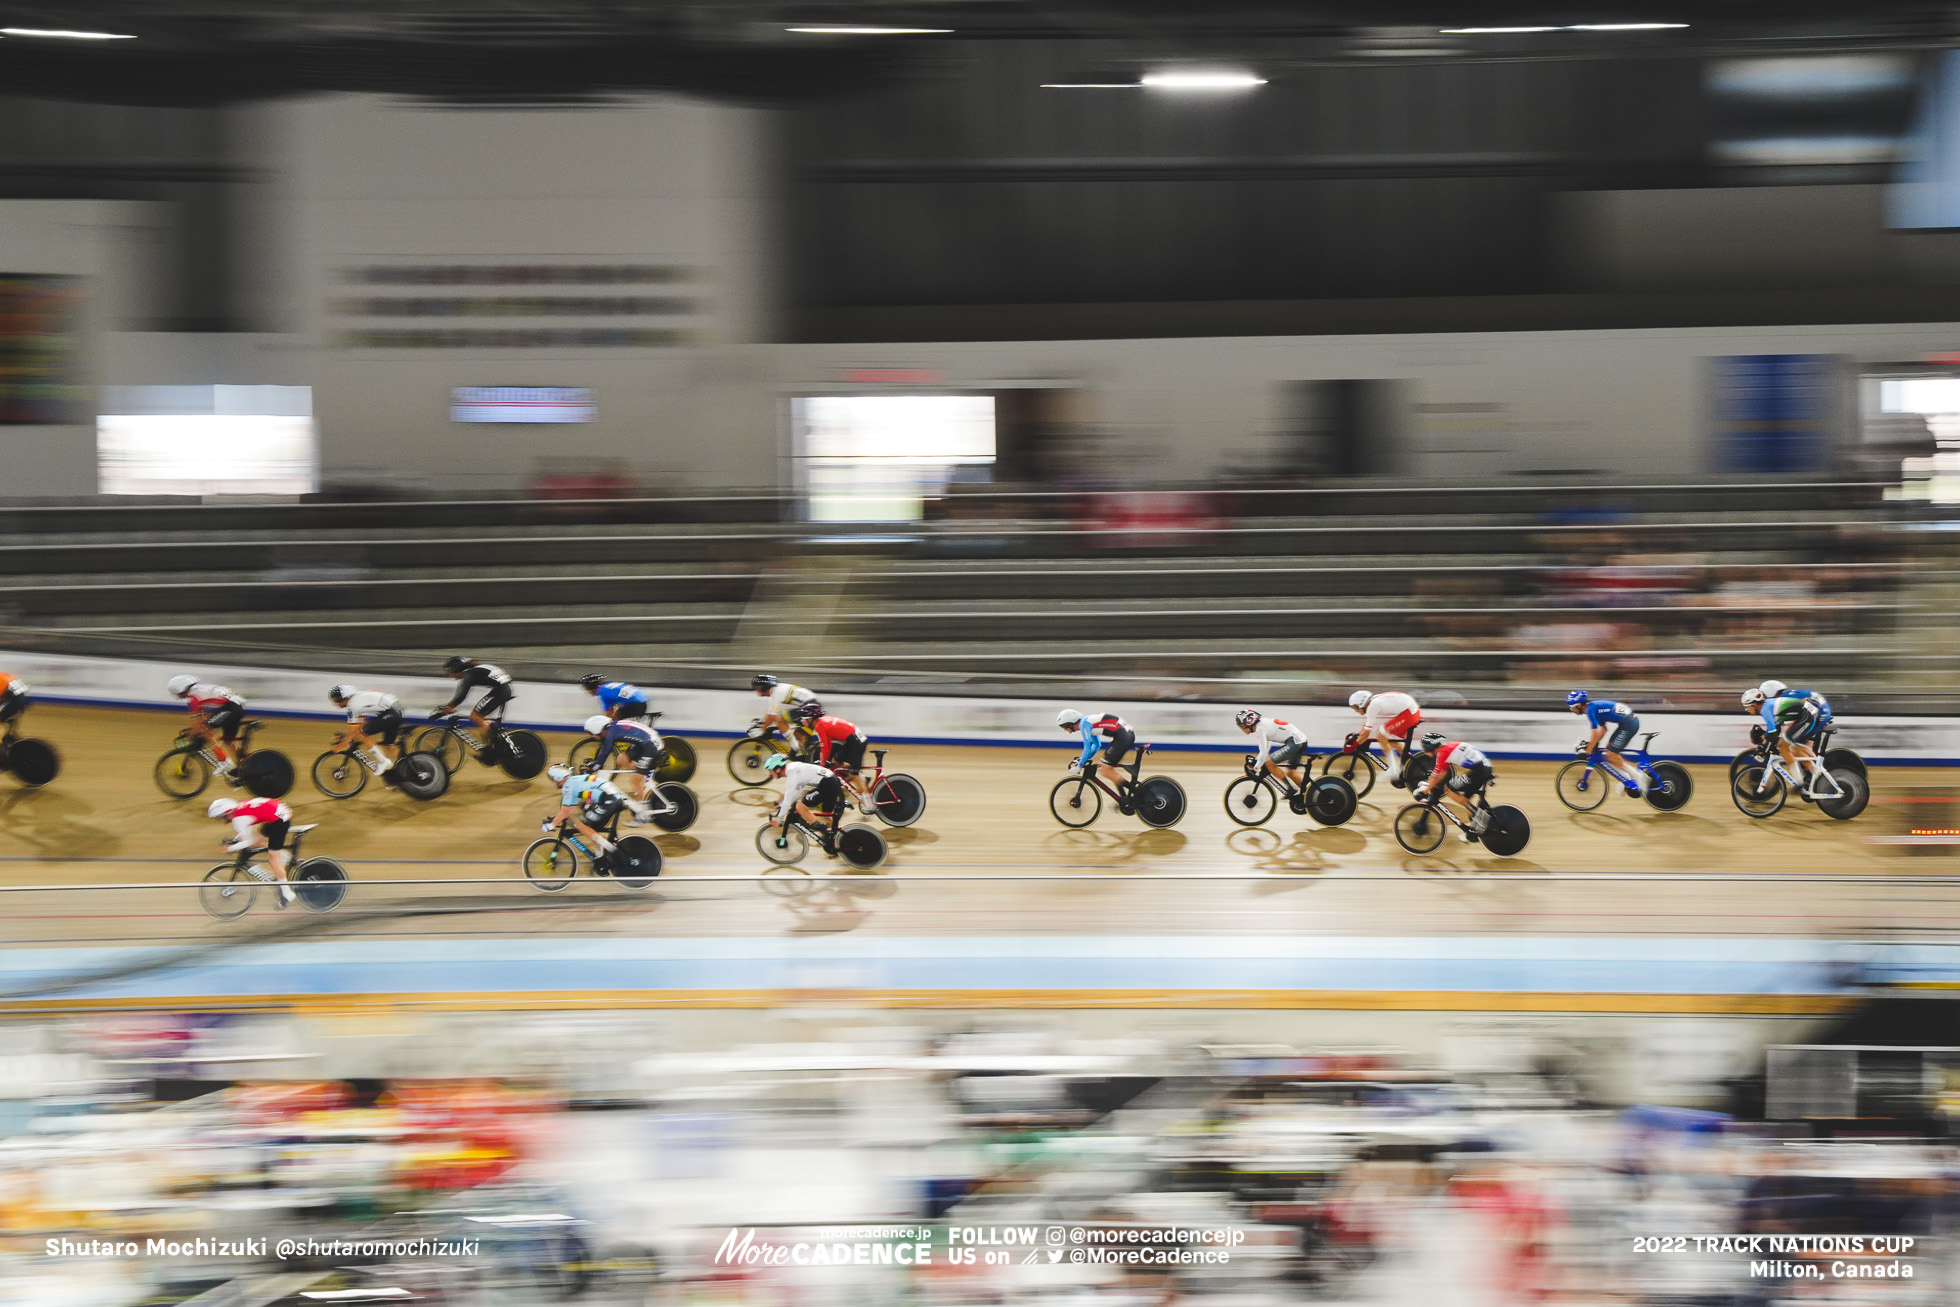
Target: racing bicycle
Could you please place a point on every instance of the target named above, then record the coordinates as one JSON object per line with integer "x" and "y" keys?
{"x": 747, "y": 755}
{"x": 1849, "y": 759}
{"x": 187, "y": 766}
{"x": 33, "y": 762}
{"x": 1761, "y": 788}
{"x": 342, "y": 773}
{"x": 676, "y": 757}
{"x": 1252, "y": 799}
{"x": 896, "y": 798}
{"x": 786, "y": 845}
{"x": 1504, "y": 830}
{"x": 1581, "y": 788}
{"x": 672, "y": 806}
{"x": 1358, "y": 766}
{"x": 633, "y": 861}
{"x": 1077, "y": 799}
{"x": 230, "y": 888}
{"x": 519, "y": 752}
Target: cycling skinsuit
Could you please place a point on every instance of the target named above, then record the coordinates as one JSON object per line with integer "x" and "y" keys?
{"x": 1476, "y": 767}
{"x": 223, "y": 711}
{"x": 1392, "y": 714}
{"x": 1604, "y": 712}
{"x": 621, "y": 700}
{"x": 637, "y": 740}
{"x": 273, "y": 818}
{"x": 600, "y": 799}
{"x": 1282, "y": 741}
{"x": 826, "y": 791}
{"x": 378, "y": 715}
{"x": 1109, "y": 732}
{"x": 493, "y": 681}
{"x": 1799, "y": 714}
{"x": 840, "y": 744}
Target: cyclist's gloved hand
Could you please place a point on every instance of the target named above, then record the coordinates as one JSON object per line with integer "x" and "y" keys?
{"x": 1582, "y": 748}
{"x": 1349, "y": 745}
{"x": 546, "y": 825}
{"x": 437, "y": 714}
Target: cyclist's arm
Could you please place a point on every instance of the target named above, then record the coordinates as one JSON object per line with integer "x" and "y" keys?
{"x": 1089, "y": 745}
{"x": 792, "y": 795}
{"x": 245, "y": 838}
{"x": 1265, "y": 746}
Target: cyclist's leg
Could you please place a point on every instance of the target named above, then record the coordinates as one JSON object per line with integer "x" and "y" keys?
{"x": 1108, "y": 766}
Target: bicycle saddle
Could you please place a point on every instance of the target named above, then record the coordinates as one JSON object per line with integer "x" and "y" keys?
{"x": 1647, "y": 738}
{"x": 301, "y": 830}
{"x": 251, "y": 721}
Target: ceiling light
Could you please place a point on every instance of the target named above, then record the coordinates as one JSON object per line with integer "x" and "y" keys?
{"x": 848, "y": 29}
{"x": 66, "y": 35}
{"x": 1223, "y": 80}
{"x": 1621, "y": 27}
{"x": 1090, "y": 86}
{"x": 1491, "y": 31}
{"x": 1572, "y": 27}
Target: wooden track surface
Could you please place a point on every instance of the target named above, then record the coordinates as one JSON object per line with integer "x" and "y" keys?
{"x": 1622, "y": 869}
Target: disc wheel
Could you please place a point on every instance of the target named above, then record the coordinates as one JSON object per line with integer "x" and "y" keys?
{"x": 227, "y": 892}
{"x": 1758, "y": 792}
{"x": 1844, "y": 759}
{"x": 521, "y": 754}
{"x": 1855, "y": 793}
{"x": 635, "y": 862}
{"x": 444, "y": 743}
{"x": 1356, "y": 770}
{"x": 1507, "y": 832}
{"x": 550, "y": 864}
{"x": 339, "y": 774}
{"x": 1160, "y": 802}
{"x": 421, "y": 776}
{"x": 862, "y": 847}
{"x": 1419, "y": 830}
{"x": 682, "y": 807}
{"x": 1075, "y": 801}
{"x": 1331, "y": 801}
{"x": 320, "y": 884}
{"x": 1582, "y": 786}
{"x": 1418, "y": 769}
{"x": 1249, "y": 801}
{"x": 745, "y": 759}
{"x": 679, "y": 764}
{"x": 783, "y": 845}
{"x": 33, "y": 762}
{"x": 267, "y": 773}
{"x": 899, "y": 800}
{"x": 182, "y": 773}
{"x": 1672, "y": 787}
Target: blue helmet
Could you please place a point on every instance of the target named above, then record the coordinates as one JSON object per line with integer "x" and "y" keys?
{"x": 1576, "y": 698}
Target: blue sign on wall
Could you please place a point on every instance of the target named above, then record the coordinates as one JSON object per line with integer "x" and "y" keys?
{"x": 1773, "y": 413}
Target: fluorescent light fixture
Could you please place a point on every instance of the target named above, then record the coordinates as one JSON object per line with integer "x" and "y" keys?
{"x": 1571, "y": 27}
{"x": 1196, "y": 80}
{"x": 1622, "y": 27}
{"x": 851, "y": 29}
{"x": 65, "y": 34}
{"x": 1491, "y": 31}
{"x": 1090, "y": 86}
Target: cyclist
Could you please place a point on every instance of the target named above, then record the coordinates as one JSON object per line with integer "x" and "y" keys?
{"x": 840, "y": 746}
{"x": 216, "y": 714}
{"x": 1477, "y": 773}
{"x": 644, "y": 752}
{"x": 1601, "y": 714}
{"x": 619, "y": 700}
{"x": 260, "y": 824}
{"x": 1282, "y": 745}
{"x": 1390, "y": 717}
{"x": 783, "y": 698}
{"x": 13, "y": 702}
{"x": 815, "y": 792}
{"x": 587, "y": 801}
{"x": 1794, "y": 719}
{"x": 469, "y": 674}
{"x": 1104, "y": 730}
{"x": 374, "y": 723}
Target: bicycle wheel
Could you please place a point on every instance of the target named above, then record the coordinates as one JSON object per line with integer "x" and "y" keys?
{"x": 1331, "y": 801}
{"x": 1834, "y": 759}
{"x": 1744, "y": 759}
{"x": 1249, "y": 801}
{"x": 1418, "y": 829}
{"x": 862, "y": 847}
{"x": 1417, "y": 770}
{"x": 339, "y": 774}
{"x": 444, "y": 743}
{"x": 1758, "y": 792}
{"x": 682, "y": 807}
{"x": 421, "y": 776}
{"x": 182, "y": 773}
{"x": 521, "y": 754}
{"x": 782, "y": 845}
{"x": 1160, "y": 802}
{"x": 227, "y": 892}
{"x": 787, "y": 882}
{"x": 1075, "y": 801}
{"x": 267, "y": 773}
{"x": 635, "y": 862}
{"x": 320, "y": 884}
{"x": 1508, "y": 831}
{"x": 585, "y": 751}
{"x": 1671, "y": 788}
{"x": 550, "y": 864}
{"x": 745, "y": 759}
{"x": 1582, "y": 786}
{"x": 34, "y": 762}
{"x": 678, "y": 766}
{"x": 1357, "y": 771}
{"x": 899, "y": 800}
{"x": 1854, "y": 793}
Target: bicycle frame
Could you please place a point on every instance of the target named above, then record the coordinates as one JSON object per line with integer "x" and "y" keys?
{"x": 1089, "y": 773}
{"x": 1773, "y": 765}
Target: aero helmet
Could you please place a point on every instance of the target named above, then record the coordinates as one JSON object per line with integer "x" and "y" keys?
{"x": 1771, "y": 689}
{"x": 1067, "y": 718}
{"x": 1247, "y": 718}
{"x": 559, "y": 773}
{"x": 341, "y": 693}
{"x": 1753, "y": 697}
{"x": 180, "y": 685}
{"x": 1359, "y": 699}
{"x": 221, "y": 808}
{"x": 597, "y": 723}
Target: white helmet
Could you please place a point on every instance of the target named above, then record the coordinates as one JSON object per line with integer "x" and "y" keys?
{"x": 1067, "y": 717}
{"x": 1753, "y": 697}
{"x": 1359, "y": 699}
{"x": 341, "y": 693}
{"x": 597, "y": 723}
{"x": 221, "y": 808}
{"x": 1771, "y": 689}
{"x": 558, "y": 773}
{"x": 180, "y": 686}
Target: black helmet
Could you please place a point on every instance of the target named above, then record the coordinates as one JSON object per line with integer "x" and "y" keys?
{"x": 808, "y": 711}
{"x": 763, "y": 681}
{"x": 456, "y": 663}
{"x": 590, "y": 681}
